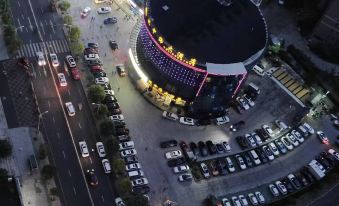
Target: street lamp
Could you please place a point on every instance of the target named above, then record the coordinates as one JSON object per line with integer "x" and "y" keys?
{"x": 40, "y": 117}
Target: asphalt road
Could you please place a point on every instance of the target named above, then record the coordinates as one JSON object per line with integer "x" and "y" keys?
{"x": 35, "y": 24}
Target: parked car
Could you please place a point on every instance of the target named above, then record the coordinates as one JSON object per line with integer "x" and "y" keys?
{"x": 230, "y": 164}
{"x": 298, "y": 136}
{"x": 186, "y": 121}
{"x": 194, "y": 148}
{"x": 169, "y": 143}
{"x": 222, "y": 120}
{"x": 257, "y": 139}
{"x": 106, "y": 166}
{"x": 173, "y": 154}
{"x": 121, "y": 70}
{"x": 292, "y": 140}
{"x": 243, "y": 200}
{"x": 236, "y": 201}
{"x": 211, "y": 147}
{"x": 334, "y": 153}
{"x": 225, "y": 202}
{"x": 170, "y": 116}
{"x": 274, "y": 149}
{"x": 281, "y": 146}
{"x": 250, "y": 140}
{"x": 133, "y": 166}
{"x": 185, "y": 177}
{"x": 253, "y": 199}
{"x": 287, "y": 184}
{"x": 281, "y": 187}
{"x": 261, "y": 132}
{"x": 281, "y": 125}
{"x": 260, "y": 197}
{"x": 101, "y": 80}
{"x": 242, "y": 142}
{"x": 221, "y": 166}
{"x": 204, "y": 170}
{"x": 243, "y": 104}
{"x": 176, "y": 162}
{"x": 100, "y": 149}
{"x": 203, "y": 149}
{"x": 241, "y": 162}
{"x": 268, "y": 152}
{"x": 308, "y": 128}
{"x": 220, "y": 148}
{"x": 248, "y": 100}
{"x": 96, "y": 68}
{"x": 104, "y": 10}
{"x": 247, "y": 160}
{"x": 121, "y": 131}
{"x": 294, "y": 181}
{"x": 214, "y": 169}
{"x": 261, "y": 155}
{"x": 255, "y": 157}
{"x": 181, "y": 168}
{"x": 286, "y": 143}
{"x": 268, "y": 130}
{"x": 128, "y": 152}
{"x": 126, "y": 145}
{"x": 226, "y": 146}
{"x": 119, "y": 202}
{"x": 131, "y": 159}
{"x": 322, "y": 137}
{"x": 113, "y": 44}
{"x": 274, "y": 190}
{"x": 144, "y": 189}
{"x": 139, "y": 182}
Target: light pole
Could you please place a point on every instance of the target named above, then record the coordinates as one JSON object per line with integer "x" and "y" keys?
{"x": 40, "y": 117}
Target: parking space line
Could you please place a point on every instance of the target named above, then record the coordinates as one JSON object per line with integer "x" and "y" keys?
{"x": 69, "y": 93}
{"x": 75, "y": 192}
{"x": 102, "y": 197}
{"x": 63, "y": 153}
{"x": 58, "y": 135}
{"x": 79, "y": 125}
{"x": 53, "y": 119}
{"x": 69, "y": 173}
{"x": 49, "y": 104}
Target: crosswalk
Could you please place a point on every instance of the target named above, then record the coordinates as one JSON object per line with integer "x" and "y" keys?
{"x": 54, "y": 46}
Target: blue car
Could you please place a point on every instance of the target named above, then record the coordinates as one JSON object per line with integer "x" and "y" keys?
{"x": 110, "y": 20}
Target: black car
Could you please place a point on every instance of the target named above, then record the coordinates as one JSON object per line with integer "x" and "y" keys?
{"x": 114, "y": 111}
{"x": 91, "y": 177}
{"x": 295, "y": 183}
{"x": 93, "y": 45}
{"x": 307, "y": 174}
{"x": 287, "y": 184}
{"x": 247, "y": 160}
{"x": 220, "y": 148}
{"x": 264, "y": 136}
{"x": 169, "y": 143}
{"x": 323, "y": 162}
{"x": 110, "y": 99}
{"x": 211, "y": 147}
{"x": 221, "y": 166}
{"x": 94, "y": 62}
{"x": 302, "y": 179}
{"x": 131, "y": 159}
{"x": 242, "y": 142}
{"x": 202, "y": 122}
{"x": 194, "y": 148}
{"x": 112, "y": 105}
{"x": 176, "y": 162}
{"x": 121, "y": 131}
{"x": 113, "y": 44}
{"x": 237, "y": 126}
{"x": 119, "y": 123}
{"x": 202, "y": 148}
{"x": 262, "y": 155}
{"x": 141, "y": 189}
{"x": 106, "y": 86}
{"x": 330, "y": 158}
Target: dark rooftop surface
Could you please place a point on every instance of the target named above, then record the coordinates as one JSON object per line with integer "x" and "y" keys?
{"x": 209, "y": 31}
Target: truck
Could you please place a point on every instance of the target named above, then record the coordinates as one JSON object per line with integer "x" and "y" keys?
{"x": 316, "y": 169}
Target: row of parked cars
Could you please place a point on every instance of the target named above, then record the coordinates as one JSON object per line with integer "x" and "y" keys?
{"x": 194, "y": 122}
{"x": 255, "y": 198}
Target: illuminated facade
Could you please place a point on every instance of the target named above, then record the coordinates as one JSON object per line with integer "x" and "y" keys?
{"x": 204, "y": 78}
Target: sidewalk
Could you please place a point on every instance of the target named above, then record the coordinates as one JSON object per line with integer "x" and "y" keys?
{"x": 3, "y": 51}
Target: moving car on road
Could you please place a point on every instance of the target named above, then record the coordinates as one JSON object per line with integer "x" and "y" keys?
{"x": 70, "y": 109}
{"x": 70, "y": 61}
{"x": 40, "y": 58}
{"x": 113, "y": 44}
{"x": 54, "y": 60}
{"x": 121, "y": 70}
{"x": 322, "y": 137}
{"x": 91, "y": 177}
{"x": 170, "y": 116}
{"x": 100, "y": 149}
{"x": 83, "y": 149}
{"x": 62, "y": 79}
{"x": 106, "y": 166}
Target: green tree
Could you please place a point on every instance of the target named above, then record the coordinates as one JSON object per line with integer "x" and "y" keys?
{"x": 106, "y": 127}
{"x": 119, "y": 166}
{"x": 102, "y": 110}
{"x": 64, "y": 5}
{"x": 77, "y": 48}
{"x": 48, "y": 171}
{"x": 136, "y": 200}
{"x": 68, "y": 20}
{"x": 6, "y": 18}
{"x": 42, "y": 151}
{"x": 96, "y": 93}
{"x": 3, "y": 6}
{"x": 74, "y": 33}
{"x": 3, "y": 175}
{"x": 54, "y": 191}
{"x": 113, "y": 145}
{"x": 5, "y": 149}
{"x": 14, "y": 45}
{"x": 124, "y": 186}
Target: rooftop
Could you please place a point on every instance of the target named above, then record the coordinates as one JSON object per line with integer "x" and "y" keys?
{"x": 209, "y": 31}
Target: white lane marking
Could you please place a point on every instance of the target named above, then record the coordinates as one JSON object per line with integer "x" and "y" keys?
{"x": 69, "y": 173}
{"x": 51, "y": 23}
{"x": 53, "y": 119}
{"x": 49, "y": 104}
{"x": 90, "y": 159}
{"x": 42, "y": 27}
{"x": 58, "y": 135}
{"x": 102, "y": 197}
{"x": 22, "y": 16}
{"x": 75, "y": 192}
{"x": 63, "y": 153}
{"x": 69, "y": 93}
{"x": 30, "y": 24}
{"x": 20, "y": 27}
{"x": 18, "y": 3}
{"x": 79, "y": 125}
{"x": 46, "y": 22}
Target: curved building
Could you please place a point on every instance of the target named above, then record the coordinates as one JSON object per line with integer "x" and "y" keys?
{"x": 196, "y": 53}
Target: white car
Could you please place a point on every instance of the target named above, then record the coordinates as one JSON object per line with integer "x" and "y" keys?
{"x": 118, "y": 117}
{"x": 243, "y": 200}
{"x": 83, "y": 149}
{"x": 104, "y": 10}
{"x": 119, "y": 202}
{"x": 268, "y": 130}
{"x": 226, "y": 202}
{"x": 100, "y": 149}
{"x": 186, "y": 120}
{"x": 170, "y": 116}
{"x": 229, "y": 164}
{"x": 106, "y": 166}
{"x": 274, "y": 190}
{"x": 241, "y": 162}
{"x": 292, "y": 139}
{"x": 89, "y": 57}
{"x": 70, "y": 108}
{"x": 250, "y": 140}
{"x": 268, "y": 152}
{"x": 139, "y": 182}
{"x": 109, "y": 92}
{"x": 249, "y": 100}
{"x": 185, "y": 177}
{"x": 298, "y": 136}
{"x": 204, "y": 169}
{"x": 86, "y": 11}
{"x": 126, "y": 145}
{"x": 286, "y": 143}
{"x": 181, "y": 168}
{"x": 236, "y": 201}
{"x": 101, "y": 80}
{"x": 274, "y": 149}
{"x": 281, "y": 125}
{"x": 40, "y": 58}
{"x": 256, "y": 138}
{"x": 128, "y": 152}
{"x": 70, "y": 61}
{"x": 62, "y": 79}
{"x": 243, "y": 103}
{"x": 260, "y": 197}
{"x": 173, "y": 154}
{"x": 334, "y": 153}
{"x": 281, "y": 187}
{"x": 54, "y": 60}
{"x": 308, "y": 128}
{"x": 221, "y": 120}
{"x": 226, "y": 146}
{"x": 133, "y": 166}
{"x": 253, "y": 199}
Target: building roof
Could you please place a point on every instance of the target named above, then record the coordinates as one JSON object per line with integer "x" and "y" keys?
{"x": 209, "y": 31}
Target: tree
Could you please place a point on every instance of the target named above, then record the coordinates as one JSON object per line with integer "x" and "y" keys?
{"x": 96, "y": 93}
{"x": 54, "y": 191}
{"x": 124, "y": 186}
{"x": 5, "y": 149}
{"x": 68, "y": 20}
{"x": 42, "y": 151}
{"x": 74, "y": 33}
{"x": 113, "y": 145}
{"x": 64, "y": 5}
{"x": 136, "y": 200}
{"x": 3, "y": 175}
{"x": 77, "y": 48}
{"x": 48, "y": 171}
{"x": 6, "y": 18}
{"x": 107, "y": 127}
{"x": 119, "y": 166}
{"x": 102, "y": 110}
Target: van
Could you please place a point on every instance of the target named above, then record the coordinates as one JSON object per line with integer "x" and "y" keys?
{"x": 258, "y": 70}
{"x": 137, "y": 173}
{"x": 254, "y": 88}
{"x": 106, "y": 166}
{"x": 303, "y": 131}
{"x": 316, "y": 169}
{"x": 32, "y": 162}
{"x": 255, "y": 157}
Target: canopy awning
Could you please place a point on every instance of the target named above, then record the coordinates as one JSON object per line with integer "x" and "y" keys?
{"x": 226, "y": 69}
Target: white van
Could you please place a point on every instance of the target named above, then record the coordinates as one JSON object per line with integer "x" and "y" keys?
{"x": 258, "y": 70}
{"x": 255, "y": 157}
{"x": 106, "y": 166}
{"x": 136, "y": 173}
{"x": 303, "y": 131}
{"x": 254, "y": 87}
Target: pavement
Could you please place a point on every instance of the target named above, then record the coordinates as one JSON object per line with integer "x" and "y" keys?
{"x": 3, "y": 52}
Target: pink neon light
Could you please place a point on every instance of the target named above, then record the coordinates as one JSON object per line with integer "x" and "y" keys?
{"x": 169, "y": 55}
{"x": 202, "y": 83}
{"x": 236, "y": 90}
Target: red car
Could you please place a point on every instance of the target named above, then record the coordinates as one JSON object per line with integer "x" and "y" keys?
{"x": 96, "y": 68}
{"x": 75, "y": 73}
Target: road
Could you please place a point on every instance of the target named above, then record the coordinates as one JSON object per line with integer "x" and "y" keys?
{"x": 41, "y": 30}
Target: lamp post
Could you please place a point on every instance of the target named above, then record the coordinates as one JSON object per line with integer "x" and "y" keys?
{"x": 40, "y": 117}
